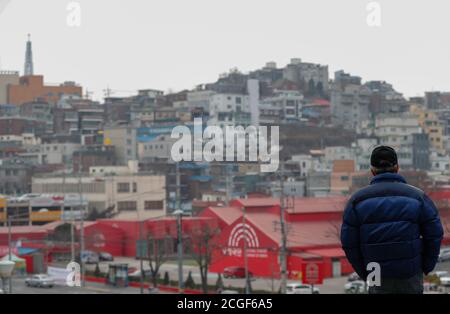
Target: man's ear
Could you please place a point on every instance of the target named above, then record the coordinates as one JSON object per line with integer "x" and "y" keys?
{"x": 397, "y": 168}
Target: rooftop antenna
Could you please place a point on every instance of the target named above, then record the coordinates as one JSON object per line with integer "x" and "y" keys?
{"x": 29, "y": 67}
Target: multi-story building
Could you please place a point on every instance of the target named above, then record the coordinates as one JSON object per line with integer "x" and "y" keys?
{"x": 19, "y": 125}
{"x": 124, "y": 139}
{"x": 431, "y": 125}
{"x": 31, "y": 88}
{"x": 229, "y": 110}
{"x": 350, "y": 101}
{"x": 7, "y": 78}
{"x": 40, "y": 111}
{"x": 309, "y": 75}
{"x": 57, "y": 153}
{"x": 129, "y": 195}
{"x": 157, "y": 148}
{"x": 398, "y": 131}
{"x": 283, "y": 106}
{"x": 15, "y": 177}
{"x": 93, "y": 156}
{"x": 384, "y": 98}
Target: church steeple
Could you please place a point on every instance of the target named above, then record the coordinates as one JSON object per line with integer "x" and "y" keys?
{"x": 29, "y": 58}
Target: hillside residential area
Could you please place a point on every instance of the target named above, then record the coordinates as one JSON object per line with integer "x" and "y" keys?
{"x": 91, "y": 185}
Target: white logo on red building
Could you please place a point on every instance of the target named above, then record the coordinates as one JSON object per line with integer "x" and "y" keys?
{"x": 244, "y": 235}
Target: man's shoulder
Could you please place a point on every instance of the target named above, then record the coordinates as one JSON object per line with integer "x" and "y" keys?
{"x": 387, "y": 189}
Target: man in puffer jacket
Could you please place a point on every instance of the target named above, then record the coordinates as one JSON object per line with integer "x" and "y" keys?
{"x": 393, "y": 224}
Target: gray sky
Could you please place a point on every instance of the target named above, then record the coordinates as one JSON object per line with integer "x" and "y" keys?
{"x": 162, "y": 44}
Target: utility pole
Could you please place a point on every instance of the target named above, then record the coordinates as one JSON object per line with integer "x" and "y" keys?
{"x": 247, "y": 278}
{"x": 83, "y": 271}
{"x": 228, "y": 184}
{"x": 283, "y": 257}
{"x": 141, "y": 255}
{"x": 72, "y": 231}
{"x": 179, "y": 229}
{"x": 9, "y": 251}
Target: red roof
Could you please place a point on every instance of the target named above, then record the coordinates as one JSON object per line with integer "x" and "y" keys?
{"x": 22, "y": 229}
{"x": 256, "y": 202}
{"x": 227, "y": 214}
{"x": 300, "y": 234}
{"x": 333, "y": 252}
{"x": 317, "y": 204}
{"x": 299, "y": 205}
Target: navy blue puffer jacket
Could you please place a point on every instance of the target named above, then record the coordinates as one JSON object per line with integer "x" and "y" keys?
{"x": 394, "y": 224}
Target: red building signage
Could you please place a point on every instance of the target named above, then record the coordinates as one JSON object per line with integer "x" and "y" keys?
{"x": 312, "y": 273}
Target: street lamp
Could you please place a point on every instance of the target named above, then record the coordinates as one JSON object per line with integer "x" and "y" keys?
{"x": 179, "y": 213}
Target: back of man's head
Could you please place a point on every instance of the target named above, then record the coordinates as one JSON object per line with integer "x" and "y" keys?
{"x": 384, "y": 159}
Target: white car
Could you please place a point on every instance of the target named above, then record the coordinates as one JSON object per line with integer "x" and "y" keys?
{"x": 299, "y": 288}
{"x": 444, "y": 255}
{"x": 445, "y": 281}
{"x": 40, "y": 281}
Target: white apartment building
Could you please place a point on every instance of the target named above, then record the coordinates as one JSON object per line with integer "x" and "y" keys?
{"x": 131, "y": 196}
{"x": 159, "y": 148}
{"x": 26, "y": 139}
{"x": 439, "y": 163}
{"x": 57, "y": 153}
{"x": 284, "y": 106}
{"x": 397, "y": 130}
{"x": 229, "y": 110}
{"x": 199, "y": 99}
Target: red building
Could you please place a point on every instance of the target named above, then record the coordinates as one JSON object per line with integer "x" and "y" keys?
{"x": 246, "y": 228}
{"x": 312, "y": 224}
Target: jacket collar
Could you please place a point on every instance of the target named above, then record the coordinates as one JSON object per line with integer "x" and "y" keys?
{"x": 387, "y": 177}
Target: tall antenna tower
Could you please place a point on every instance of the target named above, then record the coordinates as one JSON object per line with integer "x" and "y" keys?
{"x": 29, "y": 69}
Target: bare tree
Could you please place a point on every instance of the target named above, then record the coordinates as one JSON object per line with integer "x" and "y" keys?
{"x": 159, "y": 249}
{"x": 202, "y": 245}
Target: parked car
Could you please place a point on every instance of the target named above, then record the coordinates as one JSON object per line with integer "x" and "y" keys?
{"x": 444, "y": 255}
{"x": 355, "y": 287}
{"x": 137, "y": 274}
{"x": 429, "y": 286}
{"x": 445, "y": 281}
{"x": 299, "y": 288}
{"x": 353, "y": 277}
{"x": 40, "y": 281}
{"x": 229, "y": 292}
{"x": 235, "y": 272}
{"x": 90, "y": 257}
{"x": 153, "y": 290}
{"x": 105, "y": 257}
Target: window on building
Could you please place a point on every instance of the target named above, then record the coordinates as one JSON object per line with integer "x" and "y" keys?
{"x": 123, "y": 187}
{"x": 127, "y": 206}
{"x": 153, "y": 205}
{"x": 134, "y": 187}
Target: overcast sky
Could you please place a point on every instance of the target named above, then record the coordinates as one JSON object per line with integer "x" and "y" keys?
{"x": 176, "y": 44}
